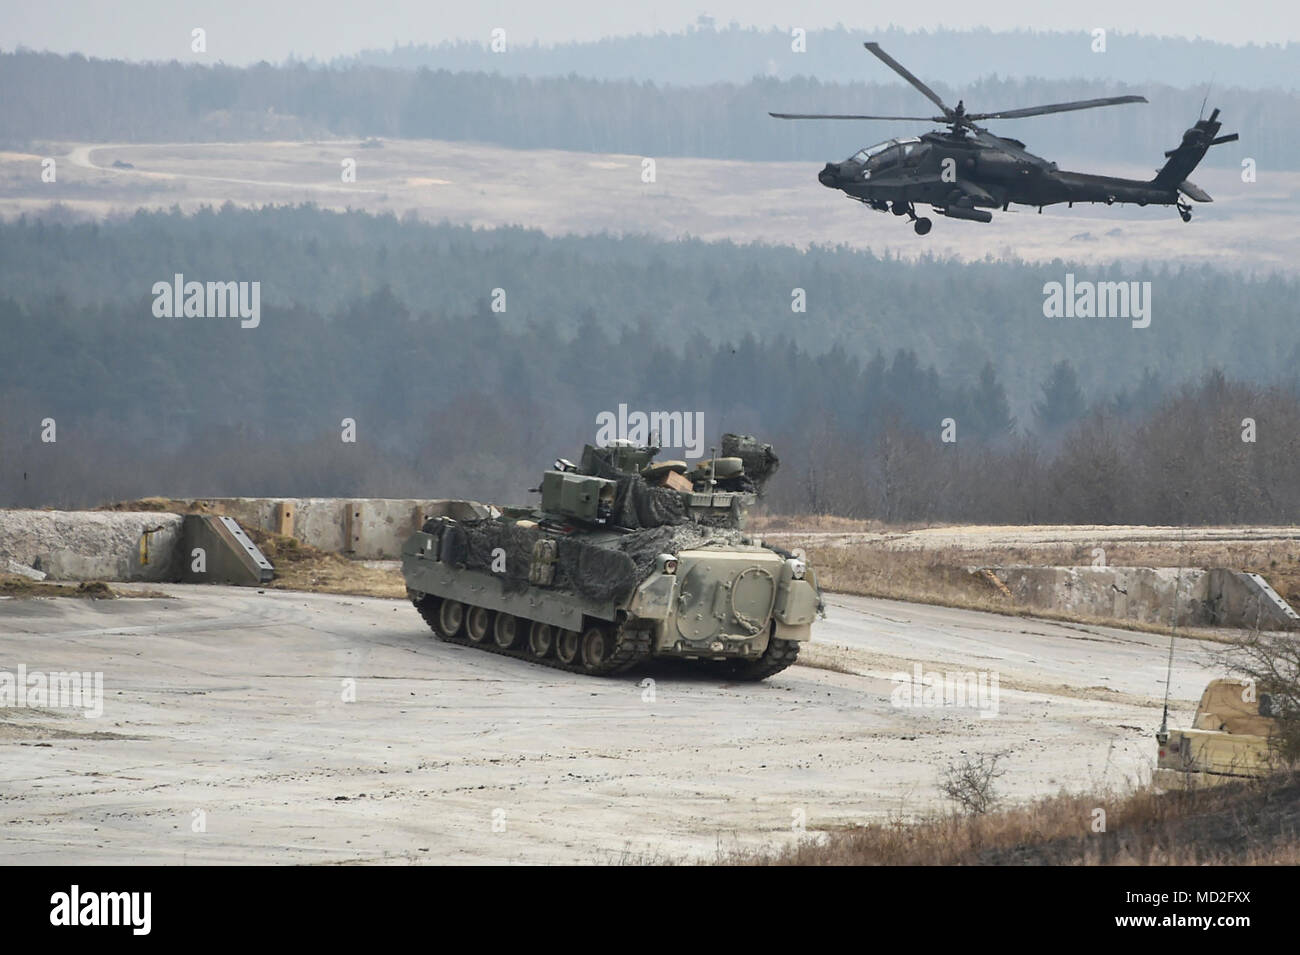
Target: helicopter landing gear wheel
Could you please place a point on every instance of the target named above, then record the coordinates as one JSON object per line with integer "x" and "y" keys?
{"x": 1185, "y": 211}
{"x": 922, "y": 226}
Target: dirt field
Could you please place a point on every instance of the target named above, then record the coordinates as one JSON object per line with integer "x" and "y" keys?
{"x": 1248, "y": 227}
{"x": 225, "y": 706}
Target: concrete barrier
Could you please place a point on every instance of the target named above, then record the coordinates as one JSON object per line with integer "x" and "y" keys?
{"x": 92, "y": 545}
{"x": 1158, "y": 595}
{"x": 150, "y": 545}
{"x": 1144, "y": 594}
{"x": 364, "y": 528}
{"x": 216, "y": 550}
{"x": 1246, "y": 600}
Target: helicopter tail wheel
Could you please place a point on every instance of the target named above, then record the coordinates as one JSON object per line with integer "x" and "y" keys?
{"x": 1185, "y": 211}
{"x": 922, "y": 226}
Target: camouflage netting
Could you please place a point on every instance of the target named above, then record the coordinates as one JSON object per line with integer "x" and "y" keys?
{"x": 597, "y": 573}
{"x": 637, "y": 504}
{"x": 760, "y": 460}
{"x": 484, "y": 537}
{"x": 604, "y": 571}
{"x": 612, "y": 569}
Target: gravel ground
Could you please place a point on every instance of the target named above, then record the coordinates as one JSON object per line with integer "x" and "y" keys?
{"x": 228, "y": 702}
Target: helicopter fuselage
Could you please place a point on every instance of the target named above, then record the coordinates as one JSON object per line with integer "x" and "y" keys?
{"x": 967, "y": 171}
{"x": 961, "y": 176}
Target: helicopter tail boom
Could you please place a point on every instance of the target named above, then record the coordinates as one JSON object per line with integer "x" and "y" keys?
{"x": 1181, "y": 161}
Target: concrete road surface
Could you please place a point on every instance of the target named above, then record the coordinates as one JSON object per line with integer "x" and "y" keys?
{"x": 279, "y": 727}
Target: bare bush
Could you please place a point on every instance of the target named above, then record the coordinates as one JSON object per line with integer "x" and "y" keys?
{"x": 1271, "y": 661}
{"x": 969, "y": 783}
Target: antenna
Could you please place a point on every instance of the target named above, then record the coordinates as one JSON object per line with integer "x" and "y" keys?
{"x": 713, "y": 474}
{"x": 1162, "y": 735}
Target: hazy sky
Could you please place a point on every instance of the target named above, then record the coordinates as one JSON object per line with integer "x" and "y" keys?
{"x": 242, "y": 31}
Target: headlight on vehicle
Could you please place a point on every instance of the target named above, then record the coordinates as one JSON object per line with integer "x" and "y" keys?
{"x": 667, "y": 563}
{"x": 797, "y": 568}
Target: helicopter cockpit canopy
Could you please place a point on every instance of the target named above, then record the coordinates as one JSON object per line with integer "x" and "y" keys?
{"x": 886, "y": 153}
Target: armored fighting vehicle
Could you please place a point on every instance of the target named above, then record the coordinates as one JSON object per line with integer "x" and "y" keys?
{"x": 625, "y": 559}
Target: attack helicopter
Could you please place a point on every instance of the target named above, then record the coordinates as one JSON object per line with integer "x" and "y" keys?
{"x": 966, "y": 171}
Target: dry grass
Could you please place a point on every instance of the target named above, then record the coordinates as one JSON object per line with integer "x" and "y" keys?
{"x": 299, "y": 566}
{"x": 25, "y": 587}
{"x": 934, "y": 578}
{"x": 171, "y": 505}
{"x": 1255, "y": 822}
{"x": 815, "y": 524}
{"x": 942, "y": 576}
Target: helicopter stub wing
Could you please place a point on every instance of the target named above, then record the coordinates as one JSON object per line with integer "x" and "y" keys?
{"x": 972, "y": 194}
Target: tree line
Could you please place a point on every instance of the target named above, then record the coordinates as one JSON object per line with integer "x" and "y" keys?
{"x": 704, "y": 53}
{"x": 70, "y": 286}
{"x": 927, "y": 390}
{"x": 372, "y": 400}
{"x": 53, "y": 97}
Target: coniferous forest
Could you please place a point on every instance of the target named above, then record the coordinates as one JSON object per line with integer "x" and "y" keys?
{"x": 904, "y": 391}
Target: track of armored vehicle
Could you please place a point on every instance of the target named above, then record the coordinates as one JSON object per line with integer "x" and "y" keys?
{"x": 601, "y": 650}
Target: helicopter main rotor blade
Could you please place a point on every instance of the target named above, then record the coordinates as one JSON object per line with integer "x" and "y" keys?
{"x": 901, "y": 70}
{"x": 1058, "y": 107}
{"x": 911, "y": 119}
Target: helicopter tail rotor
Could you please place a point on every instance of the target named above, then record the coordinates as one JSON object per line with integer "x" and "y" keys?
{"x": 1181, "y": 161}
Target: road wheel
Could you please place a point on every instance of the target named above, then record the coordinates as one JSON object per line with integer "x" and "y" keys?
{"x": 567, "y": 646}
{"x": 451, "y": 616}
{"x": 505, "y": 630}
{"x": 478, "y": 624}
{"x": 541, "y": 639}
{"x": 597, "y": 645}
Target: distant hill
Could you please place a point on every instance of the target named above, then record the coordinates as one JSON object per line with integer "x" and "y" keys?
{"x": 51, "y": 97}
{"x": 699, "y": 56}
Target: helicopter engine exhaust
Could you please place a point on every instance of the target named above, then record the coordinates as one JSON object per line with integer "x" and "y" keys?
{"x": 974, "y": 215}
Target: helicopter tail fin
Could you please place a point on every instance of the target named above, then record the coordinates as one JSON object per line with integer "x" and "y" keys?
{"x": 1196, "y": 142}
{"x": 1192, "y": 191}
